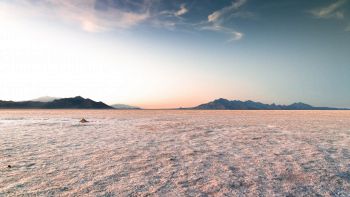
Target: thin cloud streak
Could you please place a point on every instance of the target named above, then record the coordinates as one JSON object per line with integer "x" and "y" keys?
{"x": 183, "y": 10}
{"x": 170, "y": 19}
{"x": 235, "y": 35}
{"x": 219, "y": 14}
{"x": 217, "y": 18}
{"x": 330, "y": 11}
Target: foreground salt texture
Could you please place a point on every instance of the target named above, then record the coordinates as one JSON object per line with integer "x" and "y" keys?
{"x": 175, "y": 153}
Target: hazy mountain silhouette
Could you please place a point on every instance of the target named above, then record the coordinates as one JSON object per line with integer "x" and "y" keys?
{"x": 45, "y": 99}
{"x": 123, "y": 106}
{"x": 224, "y": 104}
{"x": 64, "y": 103}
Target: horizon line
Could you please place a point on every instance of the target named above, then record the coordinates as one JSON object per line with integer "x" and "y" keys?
{"x": 172, "y": 108}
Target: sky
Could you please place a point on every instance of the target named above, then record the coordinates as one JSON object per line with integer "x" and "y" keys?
{"x": 180, "y": 53}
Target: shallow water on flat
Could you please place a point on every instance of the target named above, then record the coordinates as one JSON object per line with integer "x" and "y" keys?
{"x": 174, "y": 153}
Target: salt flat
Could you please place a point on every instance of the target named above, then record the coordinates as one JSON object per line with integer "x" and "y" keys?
{"x": 174, "y": 153}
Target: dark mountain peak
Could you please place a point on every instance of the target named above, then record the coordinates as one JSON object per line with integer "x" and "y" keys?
{"x": 77, "y": 98}
{"x": 300, "y": 104}
{"x": 220, "y": 100}
{"x": 77, "y": 102}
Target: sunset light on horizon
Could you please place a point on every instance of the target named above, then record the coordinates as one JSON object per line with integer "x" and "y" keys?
{"x": 175, "y": 98}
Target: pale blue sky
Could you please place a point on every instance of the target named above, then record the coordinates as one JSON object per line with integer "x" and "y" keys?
{"x": 157, "y": 54}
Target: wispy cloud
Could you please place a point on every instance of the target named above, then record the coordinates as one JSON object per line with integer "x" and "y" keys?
{"x": 219, "y": 14}
{"x": 234, "y": 35}
{"x": 169, "y": 19}
{"x": 183, "y": 10}
{"x": 217, "y": 19}
{"x": 331, "y": 11}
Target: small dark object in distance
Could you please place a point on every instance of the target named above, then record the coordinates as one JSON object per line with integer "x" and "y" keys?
{"x": 83, "y": 121}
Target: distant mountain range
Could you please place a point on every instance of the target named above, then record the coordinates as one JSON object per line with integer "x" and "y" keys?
{"x": 79, "y": 102}
{"x": 63, "y": 103}
{"x": 224, "y": 104}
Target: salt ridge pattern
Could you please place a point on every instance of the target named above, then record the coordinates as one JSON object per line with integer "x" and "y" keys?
{"x": 174, "y": 153}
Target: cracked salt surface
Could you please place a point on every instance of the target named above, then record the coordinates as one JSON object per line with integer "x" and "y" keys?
{"x": 174, "y": 153}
